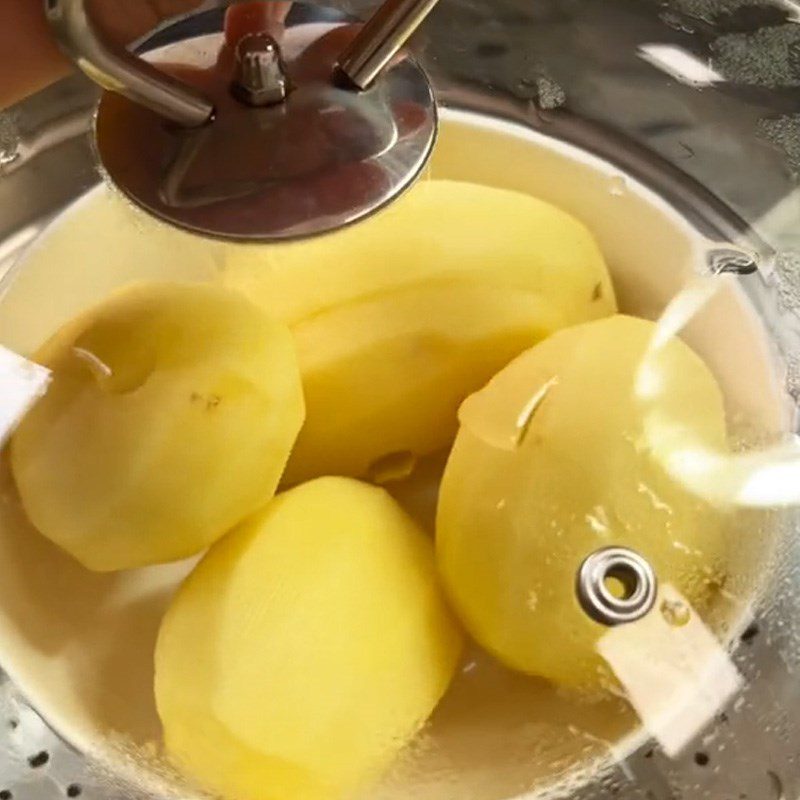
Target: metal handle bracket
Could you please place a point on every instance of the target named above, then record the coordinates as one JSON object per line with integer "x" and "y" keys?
{"x": 114, "y": 68}
{"x": 383, "y": 34}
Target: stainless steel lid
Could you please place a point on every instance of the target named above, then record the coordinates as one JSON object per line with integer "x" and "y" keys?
{"x": 286, "y": 133}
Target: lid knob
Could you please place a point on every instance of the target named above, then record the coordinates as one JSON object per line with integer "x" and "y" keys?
{"x": 260, "y": 78}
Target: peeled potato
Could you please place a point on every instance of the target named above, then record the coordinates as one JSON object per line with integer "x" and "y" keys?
{"x": 397, "y": 319}
{"x": 170, "y": 417}
{"x": 388, "y": 376}
{"x": 306, "y": 648}
{"x": 440, "y": 232}
{"x": 560, "y": 455}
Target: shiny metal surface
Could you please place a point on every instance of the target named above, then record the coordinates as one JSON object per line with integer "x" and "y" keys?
{"x": 382, "y": 36}
{"x": 371, "y": 144}
{"x": 260, "y": 78}
{"x": 118, "y": 70}
{"x": 630, "y": 571}
{"x": 325, "y": 157}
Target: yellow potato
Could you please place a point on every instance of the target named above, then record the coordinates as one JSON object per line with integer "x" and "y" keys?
{"x": 562, "y": 454}
{"x": 171, "y": 415}
{"x": 440, "y": 232}
{"x": 397, "y": 319}
{"x": 306, "y": 648}
{"x": 388, "y": 376}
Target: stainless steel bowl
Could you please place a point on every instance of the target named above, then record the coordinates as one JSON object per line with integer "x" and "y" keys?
{"x": 697, "y": 100}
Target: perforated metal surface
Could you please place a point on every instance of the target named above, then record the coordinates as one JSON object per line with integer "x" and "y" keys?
{"x": 35, "y": 764}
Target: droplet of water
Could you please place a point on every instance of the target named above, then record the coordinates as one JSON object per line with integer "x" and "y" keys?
{"x": 598, "y": 521}
{"x": 618, "y": 186}
{"x": 676, "y": 613}
{"x": 657, "y": 503}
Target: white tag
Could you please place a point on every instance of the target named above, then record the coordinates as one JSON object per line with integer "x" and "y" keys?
{"x": 22, "y": 383}
{"x": 676, "y": 674}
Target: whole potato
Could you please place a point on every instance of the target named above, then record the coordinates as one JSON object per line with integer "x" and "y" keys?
{"x": 555, "y": 459}
{"x": 170, "y": 417}
{"x": 306, "y": 648}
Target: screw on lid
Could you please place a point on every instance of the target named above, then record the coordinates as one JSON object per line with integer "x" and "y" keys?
{"x": 260, "y": 78}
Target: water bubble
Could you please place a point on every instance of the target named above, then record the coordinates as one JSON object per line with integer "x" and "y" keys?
{"x": 676, "y": 613}
{"x": 618, "y": 186}
{"x": 597, "y": 520}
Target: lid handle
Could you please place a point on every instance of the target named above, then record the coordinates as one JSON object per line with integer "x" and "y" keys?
{"x": 113, "y": 67}
{"x": 383, "y": 34}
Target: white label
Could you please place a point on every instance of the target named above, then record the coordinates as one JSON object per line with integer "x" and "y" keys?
{"x": 22, "y": 383}
{"x": 677, "y": 676}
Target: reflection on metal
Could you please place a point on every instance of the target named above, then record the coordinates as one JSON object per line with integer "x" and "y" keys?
{"x": 382, "y": 36}
{"x": 31, "y": 144}
{"x": 260, "y": 78}
{"x": 323, "y": 158}
{"x": 633, "y": 575}
{"x": 303, "y": 154}
{"x": 681, "y": 64}
{"x": 116, "y": 69}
